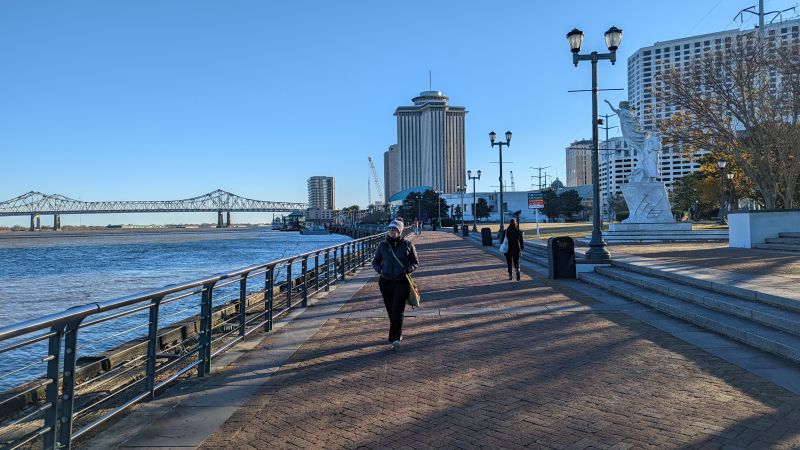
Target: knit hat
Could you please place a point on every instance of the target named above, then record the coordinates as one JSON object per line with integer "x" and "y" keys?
{"x": 397, "y": 224}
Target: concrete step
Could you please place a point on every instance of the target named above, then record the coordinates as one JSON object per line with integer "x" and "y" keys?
{"x": 716, "y": 286}
{"x": 771, "y": 316}
{"x": 788, "y": 241}
{"x": 692, "y": 236}
{"x": 792, "y": 235}
{"x": 748, "y": 332}
{"x": 535, "y": 257}
{"x": 781, "y": 247}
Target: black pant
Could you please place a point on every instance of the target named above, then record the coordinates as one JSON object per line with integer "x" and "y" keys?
{"x": 395, "y": 294}
{"x": 512, "y": 256}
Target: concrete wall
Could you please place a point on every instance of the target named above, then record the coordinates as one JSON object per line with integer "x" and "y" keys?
{"x": 753, "y": 227}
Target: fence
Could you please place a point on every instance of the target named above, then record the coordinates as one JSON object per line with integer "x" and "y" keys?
{"x": 77, "y": 393}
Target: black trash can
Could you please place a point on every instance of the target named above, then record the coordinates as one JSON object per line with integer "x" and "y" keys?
{"x": 455, "y": 228}
{"x": 561, "y": 257}
{"x": 434, "y": 227}
{"x": 486, "y": 236}
{"x": 465, "y": 231}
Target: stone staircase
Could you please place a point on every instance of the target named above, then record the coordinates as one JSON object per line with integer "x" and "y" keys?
{"x": 767, "y": 322}
{"x": 789, "y": 242}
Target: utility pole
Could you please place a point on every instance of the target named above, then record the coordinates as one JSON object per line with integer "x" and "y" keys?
{"x": 609, "y": 158}
{"x": 539, "y": 178}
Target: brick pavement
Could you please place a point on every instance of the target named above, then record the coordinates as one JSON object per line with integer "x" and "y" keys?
{"x": 561, "y": 376}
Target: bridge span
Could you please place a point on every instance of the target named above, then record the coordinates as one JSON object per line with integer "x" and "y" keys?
{"x": 36, "y": 204}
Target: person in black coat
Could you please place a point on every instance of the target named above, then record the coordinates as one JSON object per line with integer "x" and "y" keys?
{"x": 515, "y": 246}
{"x": 394, "y": 258}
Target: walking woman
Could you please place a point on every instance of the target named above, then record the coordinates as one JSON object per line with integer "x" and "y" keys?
{"x": 515, "y": 246}
{"x": 395, "y": 258}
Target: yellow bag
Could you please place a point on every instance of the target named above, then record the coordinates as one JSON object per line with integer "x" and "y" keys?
{"x": 414, "y": 298}
{"x": 413, "y": 292}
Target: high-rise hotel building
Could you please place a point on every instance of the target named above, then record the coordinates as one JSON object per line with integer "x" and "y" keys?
{"x": 579, "y": 163}
{"x": 322, "y": 193}
{"x": 391, "y": 172}
{"x": 647, "y": 63}
{"x": 431, "y": 149}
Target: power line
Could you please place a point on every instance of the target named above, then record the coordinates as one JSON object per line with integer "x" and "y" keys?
{"x": 539, "y": 177}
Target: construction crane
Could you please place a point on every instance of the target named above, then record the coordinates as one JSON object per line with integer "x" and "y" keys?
{"x": 513, "y": 188}
{"x": 375, "y": 179}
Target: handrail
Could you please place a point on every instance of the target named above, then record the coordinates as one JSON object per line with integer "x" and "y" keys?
{"x": 228, "y": 307}
{"x": 17, "y": 329}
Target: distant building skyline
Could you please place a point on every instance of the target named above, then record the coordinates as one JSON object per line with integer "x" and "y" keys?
{"x": 322, "y": 192}
{"x": 579, "y": 163}
{"x": 391, "y": 172}
{"x": 431, "y": 143}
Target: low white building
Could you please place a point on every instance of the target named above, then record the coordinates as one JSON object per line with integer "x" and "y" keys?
{"x": 512, "y": 202}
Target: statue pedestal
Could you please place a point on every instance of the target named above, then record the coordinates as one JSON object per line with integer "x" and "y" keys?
{"x": 631, "y": 228}
{"x": 648, "y": 202}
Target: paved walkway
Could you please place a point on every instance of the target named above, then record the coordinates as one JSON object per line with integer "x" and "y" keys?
{"x": 495, "y": 364}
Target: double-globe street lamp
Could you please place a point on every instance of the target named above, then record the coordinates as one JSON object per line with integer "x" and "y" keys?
{"x": 474, "y": 202}
{"x": 597, "y": 246}
{"x": 507, "y": 143}
{"x": 461, "y": 190}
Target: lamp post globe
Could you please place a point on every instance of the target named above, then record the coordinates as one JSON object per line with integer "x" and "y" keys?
{"x": 613, "y": 38}
{"x": 575, "y": 40}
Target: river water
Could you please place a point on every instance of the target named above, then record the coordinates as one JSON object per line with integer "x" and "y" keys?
{"x": 49, "y": 272}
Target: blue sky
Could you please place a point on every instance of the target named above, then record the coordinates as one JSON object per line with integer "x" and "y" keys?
{"x": 157, "y": 100}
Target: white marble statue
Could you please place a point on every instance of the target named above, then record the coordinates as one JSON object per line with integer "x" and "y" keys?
{"x": 647, "y": 144}
{"x": 646, "y": 197}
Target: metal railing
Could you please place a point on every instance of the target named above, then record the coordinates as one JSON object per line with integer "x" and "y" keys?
{"x": 82, "y": 388}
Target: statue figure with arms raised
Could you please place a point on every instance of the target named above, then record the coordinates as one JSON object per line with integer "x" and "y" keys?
{"x": 646, "y": 197}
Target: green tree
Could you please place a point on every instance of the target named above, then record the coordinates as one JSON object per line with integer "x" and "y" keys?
{"x": 697, "y": 194}
{"x": 457, "y": 214}
{"x": 424, "y": 205}
{"x": 410, "y": 208}
{"x": 619, "y": 207}
{"x": 482, "y": 210}
{"x": 569, "y": 203}
{"x": 552, "y": 204}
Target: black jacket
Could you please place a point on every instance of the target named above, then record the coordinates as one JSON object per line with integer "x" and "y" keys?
{"x": 515, "y": 241}
{"x": 386, "y": 264}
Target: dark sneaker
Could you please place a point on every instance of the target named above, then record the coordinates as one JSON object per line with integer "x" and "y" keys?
{"x": 517, "y": 274}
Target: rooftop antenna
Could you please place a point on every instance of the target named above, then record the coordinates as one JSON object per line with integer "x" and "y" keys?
{"x": 430, "y": 84}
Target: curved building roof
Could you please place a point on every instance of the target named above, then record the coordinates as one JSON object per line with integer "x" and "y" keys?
{"x": 400, "y": 196}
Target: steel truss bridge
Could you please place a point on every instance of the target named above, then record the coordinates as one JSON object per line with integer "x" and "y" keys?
{"x": 36, "y": 204}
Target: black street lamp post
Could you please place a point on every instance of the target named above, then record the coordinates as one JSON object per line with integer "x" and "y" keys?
{"x": 419, "y": 213}
{"x": 474, "y": 202}
{"x": 507, "y": 143}
{"x": 721, "y": 164}
{"x": 461, "y": 190}
{"x": 732, "y": 194}
{"x": 439, "y": 208}
{"x": 597, "y": 246}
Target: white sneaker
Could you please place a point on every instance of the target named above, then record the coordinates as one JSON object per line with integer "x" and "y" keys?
{"x": 395, "y": 345}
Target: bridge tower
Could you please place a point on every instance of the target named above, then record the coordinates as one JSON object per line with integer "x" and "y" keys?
{"x": 219, "y": 219}
{"x": 36, "y": 222}
{"x": 56, "y": 222}
{"x": 228, "y": 222}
